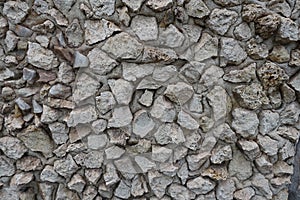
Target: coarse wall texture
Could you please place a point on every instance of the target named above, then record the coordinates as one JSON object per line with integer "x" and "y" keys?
{"x": 149, "y": 99}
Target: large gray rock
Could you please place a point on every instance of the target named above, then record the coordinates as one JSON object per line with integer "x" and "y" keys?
{"x": 15, "y": 11}
{"x": 206, "y": 48}
{"x": 220, "y": 20}
{"x": 262, "y": 185}
{"x": 271, "y": 75}
{"x": 133, "y": 71}
{"x": 171, "y": 37}
{"x": 66, "y": 166}
{"x": 225, "y": 189}
{"x": 201, "y": 185}
{"x": 179, "y": 93}
{"x": 232, "y": 52}
{"x": 187, "y": 121}
{"x": 105, "y": 102}
{"x": 180, "y": 192}
{"x": 121, "y": 117}
{"x": 41, "y": 57}
{"x": 123, "y": 46}
{"x": 122, "y": 90}
{"x": 221, "y": 154}
{"x": 100, "y": 62}
{"x": 158, "y": 183}
{"x": 288, "y": 30}
{"x": 36, "y": 139}
{"x": 142, "y": 123}
{"x": 220, "y": 102}
{"x": 245, "y": 122}
{"x": 159, "y": 5}
{"x": 245, "y": 75}
{"x": 145, "y": 27}
{"x": 169, "y": 133}
{"x": 103, "y": 7}
{"x": 163, "y": 110}
{"x": 82, "y": 115}
{"x": 98, "y": 30}
{"x": 239, "y": 167}
{"x": 268, "y": 121}
{"x": 198, "y": 9}
{"x": 7, "y": 167}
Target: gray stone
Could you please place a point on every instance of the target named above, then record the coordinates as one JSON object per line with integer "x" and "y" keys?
{"x": 228, "y": 2}
{"x": 41, "y": 57}
{"x": 271, "y": 75}
{"x": 250, "y": 148}
{"x": 158, "y": 183}
{"x": 144, "y": 163}
{"x": 142, "y": 123}
{"x": 161, "y": 154}
{"x": 100, "y": 62}
{"x": 36, "y": 139}
{"x": 11, "y": 40}
{"x": 90, "y": 192}
{"x": 126, "y": 167}
{"x": 43, "y": 40}
{"x": 98, "y": 30}
{"x": 220, "y": 20}
{"x": 105, "y": 102}
{"x": 74, "y": 34}
{"x": 121, "y": 117}
{"x": 295, "y": 82}
{"x": 22, "y": 178}
{"x": 6, "y": 73}
{"x": 245, "y": 75}
{"x": 244, "y": 194}
{"x": 147, "y": 98}
{"x": 64, "y": 193}
{"x": 221, "y": 154}
{"x": 97, "y": 141}
{"x": 22, "y": 104}
{"x": 48, "y": 174}
{"x": 290, "y": 115}
{"x": 66, "y": 166}
{"x": 225, "y": 189}
{"x": 103, "y": 7}
{"x": 279, "y": 54}
{"x": 123, "y": 190}
{"x": 252, "y": 11}
{"x": 114, "y": 152}
{"x": 251, "y": 96}
{"x": 220, "y": 102}
{"x": 12, "y": 147}
{"x": 59, "y": 132}
{"x": 187, "y": 121}
{"x": 242, "y": 32}
{"x": 268, "y": 145}
{"x": 36, "y": 107}
{"x": 60, "y": 91}
{"x": 288, "y": 94}
{"x": 15, "y": 11}
{"x": 145, "y": 27}
{"x": 77, "y": 183}
{"x": 256, "y": 49}
{"x": 206, "y": 48}
{"x": 239, "y": 167}
{"x": 158, "y": 5}
{"x": 225, "y": 133}
{"x": 110, "y": 176}
{"x": 163, "y": 110}
{"x": 282, "y": 168}
{"x": 197, "y": 9}
{"x": 123, "y": 46}
{"x": 201, "y": 185}
{"x": 171, "y": 37}
{"x": 295, "y": 60}
{"x": 232, "y": 52}
{"x": 82, "y": 115}
{"x": 262, "y": 185}
{"x": 268, "y": 121}
{"x": 179, "y": 192}
{"x": 135, "y": 5}
{"x": 195, "y": 105}
{"x": 7, "y": 167}
{"x": 93, "y": 159}
{"x": 169, "y": 133}
{"x": 197, "y": 160}
{"x": 65, "y": 73}
{"x": 29, "y": 163}
{"x": 122, "y": 90}
{"x": 80, "y": 60}
{"x": 29, "y": 74}
{"x": 133, "y": 72}
{"x": 179, "y": 93}
{"x": 245, "y": 122}
{"x": 163, "y": 74}
{"x": 288, "y": 30}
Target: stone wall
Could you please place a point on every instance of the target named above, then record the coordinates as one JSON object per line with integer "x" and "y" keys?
{"x": 149, "y": 99}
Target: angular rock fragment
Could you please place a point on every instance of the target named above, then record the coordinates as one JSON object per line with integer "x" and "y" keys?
{"x": 7, "y": 167}
{"x": 80, "y": 60}
{"x": 250, "y": 149}
{"x": 206, "y": 48}
{"x": 171, "y": 37}
{"x": 103, "y": 7}
{"x": 251, "y": 96}
{"x": 220, "y": 20}
{"x": 163, "y": 110}
{"x": 156, "y": 54}
{"x": 268, "y": 121}
{"x": 133, "y": 72}
{"x": 221, "y": 154}
{"x": 123, "y": 190}
{"x": 121, "y": 117}
{"x": 142, "y": 123}
{"x": 268, "y": 145}
{"x": 290, "y": 114}
{"x": 145, "y": 27}
{"x": 41, "y": 57}
{"x": 267, "y": 25}
{"x": 239, "y": 167}
{"x": 122, "y": 90}
{"x": 245, "y": 122}
{"x": 262, "y": 184}
{"x": 242, "y": 32}
{"x": 158, "y": 183}
{"x": 82, "y": 115}
{"x": 48, "y": 174}
{"x": 169, "y": 133}
{"x": 98, "y": 30}
{"x": 135, "y": 5}
{"x": 12, "y": 147}
{"x": 74, "y": 34}
{"x": 245, "y": 75}
{"x": 179, "y": 93}
{"x": 279, "y": 54}
{"x": 66, "y": 166}
{"x": 158, "y": 5}
{"x": 76, "y": 183}
{"x": 244, "y": 194}
{"x": 22, "y": 178}
{"x": 123, "y": 46}
{"x": 100, "y": 62}
{"x": 105, "y": 102}
{"x": 180, "y": 192}
{"x": 15, "y": 11}
{"x": 36, "y": 139}
{"x": 288, "y": 30}
{"x": 225, "y": 189}
{"x": 163, "y": 74}
{"x": 187, "y": 121}
{"x": 201, "y": 185}
{"x": 197, "y": 9}
{"x": 295, "y": 58}
{"x": 232, "y": 52}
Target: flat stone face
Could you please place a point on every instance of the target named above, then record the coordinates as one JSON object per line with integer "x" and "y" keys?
{"x": 149, "y": 99}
